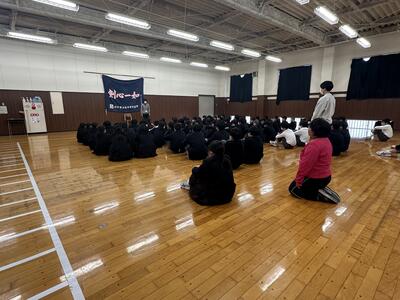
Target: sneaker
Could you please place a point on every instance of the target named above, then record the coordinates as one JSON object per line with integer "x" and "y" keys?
{"x": 328, "y": 195}
{"x": 273, "y": 143}
{"x": 385, "y": 153}
{"x": 185, "y": 185}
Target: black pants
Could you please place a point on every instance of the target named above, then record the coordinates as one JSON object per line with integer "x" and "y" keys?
{"x": 285, "y": 143}
{"x": 299, "y": 142}
{"x": 309, "y": 188}
{"x": 146, "y": 116}
{"x": 381, "y": 136}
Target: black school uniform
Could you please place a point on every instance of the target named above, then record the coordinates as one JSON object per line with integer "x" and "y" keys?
{"x": 347, "y": 139}
{"x": 219, "y": 135}
{"x": 235, "y": 151}
{"x": 145, "y": 146}
{"x": 158, "y": 134}
{"x": 269, "y": 133}
{"x": 120, "y": 149}
{"x": 253, "y": 150}
{"x": 337, "y": 141}
{"x": 212, "y": 183}
{"x": 103, "y": 143}
{"x": 196, "y": 146}
{"x": 177, "y": 141}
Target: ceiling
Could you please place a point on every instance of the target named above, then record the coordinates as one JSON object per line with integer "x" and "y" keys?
{"x": 269, "y": 26}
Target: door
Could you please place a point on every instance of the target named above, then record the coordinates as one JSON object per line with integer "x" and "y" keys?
{"x": 206, "y": 105}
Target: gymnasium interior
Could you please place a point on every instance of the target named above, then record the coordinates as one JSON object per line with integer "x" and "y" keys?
{"x": 76, "y": 224}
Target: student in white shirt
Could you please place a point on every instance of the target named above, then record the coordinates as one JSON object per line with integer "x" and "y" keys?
{"x": 302, "y": 136}
{"x": 286, "y": 138}
{"x": 383, "y": 132}
{"x": 325, "y": 108}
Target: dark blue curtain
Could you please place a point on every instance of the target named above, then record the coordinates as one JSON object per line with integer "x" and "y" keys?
{"x": 241, "y": 88}
{"x": 377, "y": 78}
{"x": 294, "y": 84}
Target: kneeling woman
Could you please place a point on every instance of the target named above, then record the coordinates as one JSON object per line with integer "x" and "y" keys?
{"x": 314, "y": 171}
{"x": 212, "y": 183}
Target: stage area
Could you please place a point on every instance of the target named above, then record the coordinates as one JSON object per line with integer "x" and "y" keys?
{"x": 126, "y": 230}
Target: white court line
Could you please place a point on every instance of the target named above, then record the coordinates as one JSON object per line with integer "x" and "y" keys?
{"x": 15, "y": 182}
{"x": 16, "y": 202}
{"x": 12, "y": 170}
{"x": 20, "y": 215}
{"x": 74, "y": 286}
{"x": 25, "y": 260}
{"x": 49, "y": 291}
{"x": 17, "y": 191}
{"x": 12, "y": 176}
{"x": 10, "y": 157}
{"x": 18, "y": 164}
{"x": 11, "y": 236}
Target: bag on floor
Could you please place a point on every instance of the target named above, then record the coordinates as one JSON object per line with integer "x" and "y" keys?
{"x": 328, "y": 195}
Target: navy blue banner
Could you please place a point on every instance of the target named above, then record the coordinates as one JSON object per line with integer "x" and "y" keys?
{"x": 122, "y": 95}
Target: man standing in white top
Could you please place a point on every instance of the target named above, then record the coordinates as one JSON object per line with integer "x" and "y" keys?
{"x": 325, "y": 108}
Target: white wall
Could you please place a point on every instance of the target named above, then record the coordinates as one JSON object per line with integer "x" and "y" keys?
{"x": 331, "y": 63}
{"x": 30, "y": 66}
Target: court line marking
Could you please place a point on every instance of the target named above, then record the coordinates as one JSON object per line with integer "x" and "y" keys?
{"x": 17, "y": 202}
{"x": 16, "y": 191}
{"x": 15, "y": 182}
{"x": 11, "y": 236}
{"x": 10, "y": 157}
{"x": 20, "y": 215}
{"x": 49, "y": 291}
{"x": 12, "y": 170}
{"x": 4, "y": 166}
{"x": 12, "y": 176}
{"x": 27, "y": 259}
{"x": 74, "y": 286}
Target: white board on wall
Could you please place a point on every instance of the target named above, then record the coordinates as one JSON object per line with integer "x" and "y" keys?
{"x": 57, "y": 104}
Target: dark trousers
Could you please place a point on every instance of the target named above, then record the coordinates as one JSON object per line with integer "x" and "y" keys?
{"x": 309, "y": 188}
{"x": 299, "y": 142}
{"x": 381, "y": 136}
{"x": 285, "y": 144}
{"x": 146, "y": 117}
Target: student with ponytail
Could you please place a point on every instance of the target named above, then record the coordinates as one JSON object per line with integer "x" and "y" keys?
{"x": 212, "y": 183}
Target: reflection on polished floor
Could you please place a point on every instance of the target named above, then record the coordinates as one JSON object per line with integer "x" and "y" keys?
{"x": 129, "y": 231}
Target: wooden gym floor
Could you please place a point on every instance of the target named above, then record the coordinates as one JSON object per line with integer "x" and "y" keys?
{"x": 126, "y": 230}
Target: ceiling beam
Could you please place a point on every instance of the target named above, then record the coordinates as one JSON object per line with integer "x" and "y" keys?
{"x": 277, "y": 18}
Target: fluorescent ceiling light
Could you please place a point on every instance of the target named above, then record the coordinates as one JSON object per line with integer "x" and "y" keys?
{"x": 366, "y": 59}
{"x": 273, "y": 58}
{"x": 183, "y": 35}
{"x": 135, "y": 54}
{"x": 349, "y": 31}
{"x": 363, "y": 42}
{"x": 90, "y": 47}
{"x": 61, "y": 4}
{"x": 171, "y": 60}
{"x": 30, "y": 37}
{"x": 251, "y": 53}
{"x": 222, "y": 45}
{"x": 197, "y": 64}
{"x": 302, "y": 2}
{"x": 222, "y": 68}
{"x": 326, "y": 14}
{"x": 128, "y": 21}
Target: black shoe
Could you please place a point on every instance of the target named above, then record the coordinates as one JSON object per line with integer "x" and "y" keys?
{"x": 328, "y": 195}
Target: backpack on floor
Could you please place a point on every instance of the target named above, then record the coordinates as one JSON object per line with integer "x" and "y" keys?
{"x": 328, "y": 195}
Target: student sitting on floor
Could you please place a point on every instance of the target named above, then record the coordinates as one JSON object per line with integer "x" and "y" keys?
{"x": 302, "y": 136}
{"x": 120, "y": 149}
{"x": 212, "y": 183}
{"x": 221, "y": 134}
{"x": 314, "y": 171}
{"x": 385, "y": 131}
{"x": 253, "y": 147}
{"x": 344, "y": 128}
{"x": 177, "y": 139}
{"x": 80, "y": 135}
{"x": 131, "y": 136}
{"x": 145, "y": 146}
{"x": 336, "y": 138}
{"x": 103, "y": 142}
{"x": 286, "y": 138}
{"x": 269, "y": 131}
{"x": 158, "y": 133}
{"x": 234, "y": 148}
{"x": 195, "y": 144}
